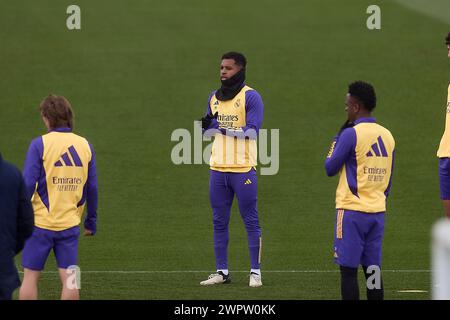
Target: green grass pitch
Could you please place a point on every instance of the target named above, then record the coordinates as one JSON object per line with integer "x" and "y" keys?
{"x": 137, "y": 70}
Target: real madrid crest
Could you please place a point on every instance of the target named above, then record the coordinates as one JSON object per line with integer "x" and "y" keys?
{"x": 237, "y": 104}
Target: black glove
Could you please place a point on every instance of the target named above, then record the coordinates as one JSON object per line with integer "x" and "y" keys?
{"x": 347, "y": 124}
{"x": 206, "y": 120}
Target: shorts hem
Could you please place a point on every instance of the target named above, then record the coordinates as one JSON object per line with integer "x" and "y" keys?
{"x": 346, "y": 265}
{"x": 32, "y": 268}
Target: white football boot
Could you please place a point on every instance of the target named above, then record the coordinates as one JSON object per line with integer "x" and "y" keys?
{"x": 255, "y": 280}
{"x": 216, "y": 278}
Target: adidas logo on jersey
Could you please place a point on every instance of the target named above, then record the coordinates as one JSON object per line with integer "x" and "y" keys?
{"x": 378, "y": 149}
{"x": 69, "y": 158}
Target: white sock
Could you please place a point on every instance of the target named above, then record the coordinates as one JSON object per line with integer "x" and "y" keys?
{"x": 224, "y": 271}
{"x": 257, "y": 271}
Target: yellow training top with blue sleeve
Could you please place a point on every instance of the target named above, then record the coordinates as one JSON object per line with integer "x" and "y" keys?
{"x": 364, "y": 156}
{"x": 235, "y": 131}
{"x": 444, "y": 146}
{"x": 60, "y": 176}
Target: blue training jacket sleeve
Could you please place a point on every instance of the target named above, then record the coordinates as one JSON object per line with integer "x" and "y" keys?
{"x": 33, "y": 165}
{"x": 388, "y": 189}
{"x": 340, "y": 150}
{"x": 90, "y": 222}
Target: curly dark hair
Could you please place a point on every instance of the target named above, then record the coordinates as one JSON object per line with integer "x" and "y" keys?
{"x": 364, "y": 93}
{"x": 238, "y": 58}
{"x": 447, "y": 40}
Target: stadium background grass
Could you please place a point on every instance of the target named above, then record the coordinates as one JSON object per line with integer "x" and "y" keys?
{"x": 138, "y": 70}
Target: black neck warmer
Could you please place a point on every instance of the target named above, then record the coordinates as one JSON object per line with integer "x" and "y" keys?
{"x": 231, "y": 87}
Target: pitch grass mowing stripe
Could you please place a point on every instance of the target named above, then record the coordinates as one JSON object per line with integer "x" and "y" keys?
{"x": 437, "y": 9}
{"x": 238, "y": 271}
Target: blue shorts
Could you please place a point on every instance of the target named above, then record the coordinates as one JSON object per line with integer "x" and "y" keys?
{"x": 444, "y": 178}
{"x": 64, "y": 244}
{"x": 358, "y": 238}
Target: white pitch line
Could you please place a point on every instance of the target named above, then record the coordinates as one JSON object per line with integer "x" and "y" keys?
{"x": 236, "y": 271}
